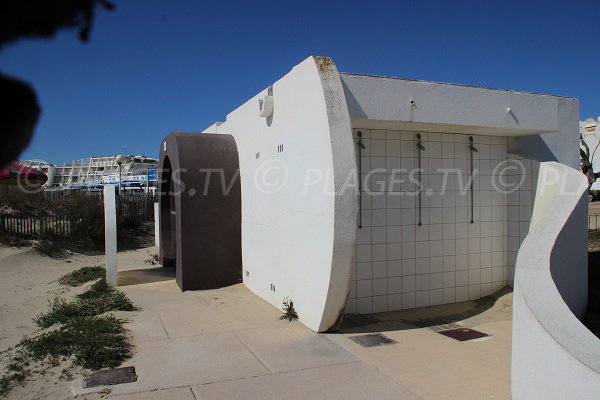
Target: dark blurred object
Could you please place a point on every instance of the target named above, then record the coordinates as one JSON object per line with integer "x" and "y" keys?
{"x": 19, "y": 112}
{"x": 19, "y": 109}
{"x": 42, "y": 18}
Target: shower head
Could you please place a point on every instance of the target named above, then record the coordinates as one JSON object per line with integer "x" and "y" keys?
{"x": 471, "y": 146}
{"x": 419, "y": 145}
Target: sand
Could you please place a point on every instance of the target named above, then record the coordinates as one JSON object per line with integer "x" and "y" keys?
{"x": 28, "y": 281}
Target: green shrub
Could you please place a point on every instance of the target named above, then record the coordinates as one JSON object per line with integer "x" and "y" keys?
{"x": 94, "y": 342}
{"x": 98, "y": 299}
{"x": 82, "y": 275}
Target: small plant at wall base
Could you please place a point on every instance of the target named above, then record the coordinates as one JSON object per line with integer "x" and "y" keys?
{"x": 154, "y": 258}
{"x": 289, "y": 312}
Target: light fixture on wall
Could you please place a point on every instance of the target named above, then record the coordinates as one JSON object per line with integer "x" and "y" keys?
{"x": 266, "y": 104}
{"x": 120, "y": 159}
{"x": 510, "y": 112}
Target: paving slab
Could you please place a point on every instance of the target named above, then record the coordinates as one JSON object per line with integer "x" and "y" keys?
{"x": 350, "y": 381}
{"x": 146, "y": 326}
{"x": 181, "y": 323}
{"x": 170, "y": 363}
{"x": 160, "y": 295}
{"x": 184, "y": 393}
{"x": 203, "y": 312}
{"x": 293, "y": 348}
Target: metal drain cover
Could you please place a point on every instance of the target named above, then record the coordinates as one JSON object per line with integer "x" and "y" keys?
{"x": 113, "y": 376}
{"x": 463, "y": 334}
{"x": 372, "y": 340}
{"x": 444, "y": 327}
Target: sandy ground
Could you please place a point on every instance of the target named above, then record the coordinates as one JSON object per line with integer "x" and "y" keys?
{"x": 28, "y": 281}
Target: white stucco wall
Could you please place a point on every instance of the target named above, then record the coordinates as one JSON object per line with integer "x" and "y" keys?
{"x": 553, "y": 355}
{"x": 561, "y": 144}
{"x": 523, "y": 175}
{"x": 442, "y": 107}
{"x": 298, "y": 225}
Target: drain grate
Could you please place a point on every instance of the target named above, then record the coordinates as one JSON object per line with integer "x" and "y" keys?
{"x": 463, "y": 334}
{"x": 372, "y": 340}
{"x": 113, "y": 376}
{"x": 436, "y": 323}
{"x": 443, "y": 327}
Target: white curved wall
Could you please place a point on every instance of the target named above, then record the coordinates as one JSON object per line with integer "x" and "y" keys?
{"x": 554, "y": 356}
{"x": 298, "y": 240}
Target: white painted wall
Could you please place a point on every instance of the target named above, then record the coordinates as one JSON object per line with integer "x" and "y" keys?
{"x": 524, "y": 176}
{"x": 562, "y": 144}
{"x": 298, "y": 239}
{"x": 553, "y": 355}
{"x": 460, "y": 108}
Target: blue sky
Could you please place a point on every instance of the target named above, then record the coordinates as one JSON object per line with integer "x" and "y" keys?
{"x": 153, "y": 67}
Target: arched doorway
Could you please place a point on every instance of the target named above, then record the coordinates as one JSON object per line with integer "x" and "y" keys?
{"x": 200, "y": 218}
{"x": 166, "y": 190}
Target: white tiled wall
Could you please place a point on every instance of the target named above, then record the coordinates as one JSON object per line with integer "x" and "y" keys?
{"x": 524, "y": 176}
{"x": 402, "y": 265}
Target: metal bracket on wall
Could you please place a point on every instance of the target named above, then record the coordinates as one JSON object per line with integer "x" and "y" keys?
{"x": 361, "y": 147}
{"x": 472, "y": 150}
{"x": 420, "y": 148}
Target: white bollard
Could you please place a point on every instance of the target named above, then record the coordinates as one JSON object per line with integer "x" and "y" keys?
{"x": 110, "y": 235}
{"x": 156, "y": 225}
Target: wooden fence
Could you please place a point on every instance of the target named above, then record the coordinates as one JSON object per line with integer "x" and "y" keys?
{"x": 73, "y": 218}
{"x": 593, "y": 222}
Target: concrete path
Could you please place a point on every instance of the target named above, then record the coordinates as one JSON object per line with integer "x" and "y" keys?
{"x": 229, "y": 344}
{"x": 437, "y": 367}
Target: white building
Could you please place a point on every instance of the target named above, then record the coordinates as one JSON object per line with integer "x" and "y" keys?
{"x": 335, "y": 244}
{"x": 92, "y": 172}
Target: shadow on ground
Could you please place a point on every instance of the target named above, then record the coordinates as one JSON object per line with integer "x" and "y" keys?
{"x": 136, "y": 237}
{"x": 421, "y": 317}
{"x": 146, "y": 275}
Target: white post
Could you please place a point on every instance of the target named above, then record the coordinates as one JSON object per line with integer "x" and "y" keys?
{"x": 156, "y": 225}
{"x": 110, "y": 235}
